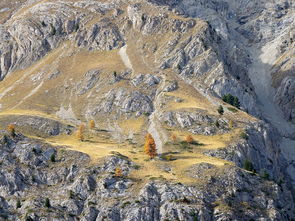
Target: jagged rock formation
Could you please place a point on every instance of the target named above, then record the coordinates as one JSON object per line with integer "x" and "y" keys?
{"x": 88, "y": 193}
{"x": 154, "y": 66}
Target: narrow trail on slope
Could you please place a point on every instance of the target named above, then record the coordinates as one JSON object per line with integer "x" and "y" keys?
{"x": 260, "y": 75}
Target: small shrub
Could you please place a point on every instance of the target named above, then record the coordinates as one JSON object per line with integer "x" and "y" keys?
{"x": 265, "y": 175}
{"x": 71, "y": 194}
{"x": 248, "y": 166}
{"x": 5, "y": 139}
{"x": 243, "y": 135}
{"x": 126, "y": 204}
{"x": 18, "y": 204}
{"x": 77, "y": 27}
{"x": 231, "y": 124}
{"x": 47, "y": 203}
{"x": 184, "y": 145}
{"x": 220, "y": 110}
{"x": 168, "y": 157}
{"x": 43, "y": 24}
{"x": 53, "y": 30}
{"x": 136, "y": 167}
{"x": 217, "y": 124}
{"x": 52, "y": 158}
{"x": 196, "y": 143}
{"x": 232, "y": 100}
{"x": 33, "y": 178}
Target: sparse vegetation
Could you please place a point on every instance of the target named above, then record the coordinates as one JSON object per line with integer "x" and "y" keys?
{"x": 77, "y": 26}
{"x": 184, "y": 145}
{"x": 220, "y": 110}
{"x": 43, "y": 24}
{"x": 71, "y": 194}
{"x": 232, "y": 100}
{"x": 47, "y": 203}
{"x": 18, "y": 204}
{"x": 53, "y": 30}
{"x": 5, "y": 139}
{"x": 150, "y": 146}
{"x": 248, "y": 166}
{"x": 231, "y": 124}
{"x": 52, "y": 158}
{"x": 234, "y": 110}
{"x": 245, "y": 136}
{"x": 265, "y": 175}
{"x": 217, "y": 124}
{"x": 136, "y": 167}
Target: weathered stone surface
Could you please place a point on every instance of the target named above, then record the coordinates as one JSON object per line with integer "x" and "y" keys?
{"x": 87, "y": 193}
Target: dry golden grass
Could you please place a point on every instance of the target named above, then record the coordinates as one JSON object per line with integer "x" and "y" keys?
{"x": 98, "y": 146}
{"x": 133, "y": 125}
{"x": 213, "y": 141}
{"x": 73, "y": 63}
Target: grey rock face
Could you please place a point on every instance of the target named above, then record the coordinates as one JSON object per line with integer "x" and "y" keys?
{"x": 127, "y": 101}
{"x": 24, "y": 41}
{"x": 88, "y": 193}
{"x": 261, "y": 146}
{"x": 89, "y": 81}
{"x": 196, "y": 122}
{"x": 102, "y": 36}
{"x": 171, "y": 87}
{"x": 43, "y": 127}
{"x": 285, "y": 97}
{"x": 210, "y": 56}
{"x": 146, "y": 80}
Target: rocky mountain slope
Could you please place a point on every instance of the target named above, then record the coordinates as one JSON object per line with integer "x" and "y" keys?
{"x": 147, "y": 66}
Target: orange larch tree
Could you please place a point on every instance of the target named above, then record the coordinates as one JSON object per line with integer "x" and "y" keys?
{"x": 91, "y": 124}
{"x": 174, "y": 138}
{"x": 150, "y": 146}
{"x": 80, "y": 135}
{"x": 82, "y": 127}
{"x": 189, "y": 139}
{"x": 11, "y": 130}
{"x": 80, "y": 132}
{"x": 118, "y": 172}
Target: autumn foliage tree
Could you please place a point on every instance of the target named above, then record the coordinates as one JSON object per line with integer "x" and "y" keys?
{"x": 91, "y": 124}
{"x": 82, "y": 127}
{"x": 80, "y": 132}
{"x": 118, "y": 172}
{"x": 150, "y": 146}
{"x": 189, "y": 139}
{"x": 11, "y": 130}
{"x": 173, "y": 138}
